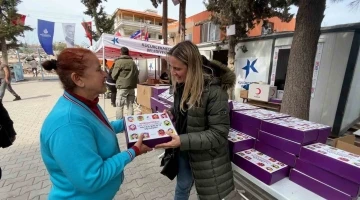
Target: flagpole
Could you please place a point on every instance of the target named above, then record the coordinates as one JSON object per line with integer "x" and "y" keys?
{"x": 103, "y": 53}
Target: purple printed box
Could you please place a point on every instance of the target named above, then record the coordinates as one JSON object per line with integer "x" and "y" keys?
{"x": 328, "y": 178}
{"x": 266, "y": 169}
{"x": 249, "y": 121}
{"x": 157, "y": 105}
{"x": 157, "y": 90}
{"x": 318, "y": 187}
{"x": 280, "y": 143}
{"x": 167, "y": 97}
{"x": 153, "y": 126}
{"x": 239, "y": 141}
{"x": 242, "y": 106}
{"x": 282, "y": 156}
{"x": 291, "y": 129}
{"x": 337, "y": 161}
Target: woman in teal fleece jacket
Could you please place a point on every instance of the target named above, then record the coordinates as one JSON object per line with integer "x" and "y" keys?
{"x": 78, "y": 144}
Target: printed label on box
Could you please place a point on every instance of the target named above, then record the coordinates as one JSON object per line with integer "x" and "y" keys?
{"x": 243, "y": 106}
{"x": 166, "y": 95}
{"x": 335, "y": 153}
{"x": 297, "y": 124}
{"x": 235, "y": 136}
{"x": 151, "y": 125}
{"x": 261, "y": 160}
{"x": 262, "y": 114}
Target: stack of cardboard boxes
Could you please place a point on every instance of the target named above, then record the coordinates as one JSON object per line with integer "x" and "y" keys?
{"x": 146, "y": 94}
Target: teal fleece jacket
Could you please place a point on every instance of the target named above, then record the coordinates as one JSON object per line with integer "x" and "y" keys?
{"x": 81, "y": 153}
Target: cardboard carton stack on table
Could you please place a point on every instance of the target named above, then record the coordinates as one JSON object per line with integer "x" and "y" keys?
{"x": 146, "y": 94}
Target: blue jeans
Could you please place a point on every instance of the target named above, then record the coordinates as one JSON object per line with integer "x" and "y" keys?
{"x": 4, "y": 86}
{"x": 184, "y": 180}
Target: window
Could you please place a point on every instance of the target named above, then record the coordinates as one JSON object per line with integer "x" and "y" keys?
{"x": 160, "y": 37}
{"x": 210, "y": 32}
{"x": 267, "y": 27}
{"x": 188, "y": 37}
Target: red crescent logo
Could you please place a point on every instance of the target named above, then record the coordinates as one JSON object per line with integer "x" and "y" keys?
{"x": 259, "y": 91}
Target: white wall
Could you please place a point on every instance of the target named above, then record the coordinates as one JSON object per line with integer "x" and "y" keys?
{"x": 352, "y": 110}
{"x": 260, "y": 50}
{"x": 331, "y": 75}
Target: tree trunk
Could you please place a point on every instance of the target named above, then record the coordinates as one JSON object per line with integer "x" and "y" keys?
{"x": 231, "y": 60}
{"x": 297, "y": 92}
{"x": 164, "y": 31}
{"x": 182, "y": 19}
{"x": 165, "y": 21}
{"x": 4, "y": 51}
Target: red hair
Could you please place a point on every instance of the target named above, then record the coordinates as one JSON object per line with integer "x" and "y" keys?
{"x": 70, "y": 60}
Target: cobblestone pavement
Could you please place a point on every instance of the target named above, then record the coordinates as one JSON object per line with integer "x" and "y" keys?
{"x": 24, "y": 174}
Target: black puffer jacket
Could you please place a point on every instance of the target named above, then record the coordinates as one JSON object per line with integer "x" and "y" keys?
{"x": 207, "y": 129}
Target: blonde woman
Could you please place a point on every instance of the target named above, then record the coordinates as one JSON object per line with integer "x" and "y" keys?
{"x": 201, "y": 115}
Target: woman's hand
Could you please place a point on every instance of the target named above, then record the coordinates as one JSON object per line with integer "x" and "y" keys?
{"x": 166, "y": 111}
{"x": 142, "y": 147}
{"x": 174, "y": 143}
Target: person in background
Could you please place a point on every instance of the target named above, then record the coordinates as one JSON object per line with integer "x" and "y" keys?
{"x": 111, "y": 84}
{"x": 7, "y": 131}
{"x": 5, "y": 82}
{"x": 165, "y": 78}
{"x": 201, "y": 115}
{"x": 78, "y": 144}
{"x": 126, "y": 75}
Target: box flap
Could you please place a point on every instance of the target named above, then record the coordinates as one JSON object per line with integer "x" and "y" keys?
{"x": 347, "y": 143}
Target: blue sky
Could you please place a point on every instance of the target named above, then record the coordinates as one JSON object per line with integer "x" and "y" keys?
{"x": 71, "y": 11}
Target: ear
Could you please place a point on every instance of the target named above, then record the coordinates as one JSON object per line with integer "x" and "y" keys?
{"x": 77, "y": 80}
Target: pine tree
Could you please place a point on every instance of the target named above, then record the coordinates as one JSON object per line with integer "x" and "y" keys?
{"x": 9, "y": 27}
{"x": 103, "y": 22}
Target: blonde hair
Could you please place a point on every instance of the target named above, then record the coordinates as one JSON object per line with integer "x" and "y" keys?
{"x": 189, "y": 54}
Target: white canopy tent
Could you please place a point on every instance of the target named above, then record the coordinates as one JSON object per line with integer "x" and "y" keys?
{"x": 108, "y": 47}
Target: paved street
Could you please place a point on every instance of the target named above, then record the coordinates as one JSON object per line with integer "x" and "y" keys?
{"x": 24, "y": 174}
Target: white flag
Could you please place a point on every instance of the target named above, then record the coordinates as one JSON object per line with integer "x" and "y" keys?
{"x": 69, "y": 33}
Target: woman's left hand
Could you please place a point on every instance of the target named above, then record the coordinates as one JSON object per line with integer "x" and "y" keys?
{"x": 174, "y": 143}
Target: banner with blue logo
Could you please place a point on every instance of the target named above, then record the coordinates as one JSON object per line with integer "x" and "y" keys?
{"x": 46, "y": 35}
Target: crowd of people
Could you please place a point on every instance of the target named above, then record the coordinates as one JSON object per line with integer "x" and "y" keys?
{"x": 79, "y": 145}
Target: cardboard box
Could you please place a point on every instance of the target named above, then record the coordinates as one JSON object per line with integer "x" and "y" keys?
{"x": 282, "y": 156}
{"x": 291, "y": 129}
{"x": 239, "y": 141}
{"x": 328, "y": 178}
{"x": 337, "y": 161}
{"x": 153, "y": 126}
{"x": 244, "y": 94}
{"x": 266, "y": 169}
{"x": 318, "y": 187}
{"x": 280, "y": 143}
{"x": 261, "y": 92}
{"x": 144, "y": 93}
{"x": 145, "y": 110}
{"x": 157, "y": 90}
{"x": 347, "y": 143}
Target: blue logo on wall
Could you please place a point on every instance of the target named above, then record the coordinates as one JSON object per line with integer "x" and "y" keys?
{"x": 250, "y": 67}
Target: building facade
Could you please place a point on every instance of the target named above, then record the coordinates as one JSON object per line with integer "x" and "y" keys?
{"x": 200, "y": 30}
{"x": 129, "y": 21}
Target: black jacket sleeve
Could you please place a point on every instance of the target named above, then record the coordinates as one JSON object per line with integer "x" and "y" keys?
{"x": 7, "y": 131}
